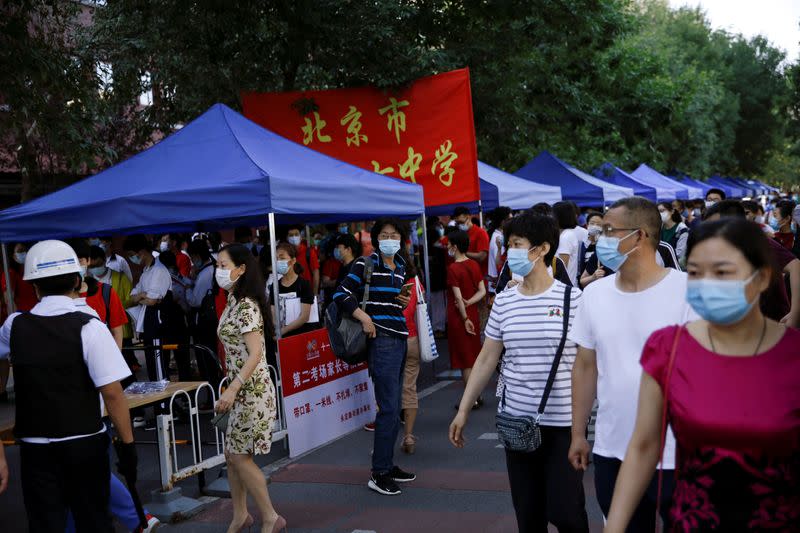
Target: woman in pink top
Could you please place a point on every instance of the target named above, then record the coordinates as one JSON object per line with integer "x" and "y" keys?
{"x": 410, "y": 402}
{"x": 732, "y": 393}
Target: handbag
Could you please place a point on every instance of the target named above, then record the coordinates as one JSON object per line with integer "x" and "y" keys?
{"x": 522, "y": 433}
{"x": 220, "y": 421}
{"x": 347, "y": 337}
{"x": 427, "y": 344}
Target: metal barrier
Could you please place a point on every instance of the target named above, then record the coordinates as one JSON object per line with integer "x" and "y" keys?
{"x": 279, "y": 428}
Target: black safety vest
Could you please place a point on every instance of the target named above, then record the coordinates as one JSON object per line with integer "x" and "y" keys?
{"x": 55, "y": 395}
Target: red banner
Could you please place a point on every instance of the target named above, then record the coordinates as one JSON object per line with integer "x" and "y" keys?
{"x": 307, "y": 361}
{"x": 423, "y": 133}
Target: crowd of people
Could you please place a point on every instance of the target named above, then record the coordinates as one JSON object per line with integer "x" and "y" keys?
{"x": 691, "y": 307}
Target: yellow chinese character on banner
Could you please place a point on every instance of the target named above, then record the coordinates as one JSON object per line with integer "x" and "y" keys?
{"x": 444, "y": 160}
{"x": 408, "y": 170}
{"x": 316, "y": 127}
{"x": 376, "y": 167}
{"x": 353, "y": 121}
{"x": 396, "y": 119}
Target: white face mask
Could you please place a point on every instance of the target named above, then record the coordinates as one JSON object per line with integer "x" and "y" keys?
{"x": 665, "y": 216}
{"x": 759, "y": 219}
{"x": 223, "y": 278}
{"x": 164, "y": 246}
{"x": 294, "y": 240}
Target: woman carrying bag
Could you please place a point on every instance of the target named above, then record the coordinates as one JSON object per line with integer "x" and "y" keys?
{"x": 534, "y": 419}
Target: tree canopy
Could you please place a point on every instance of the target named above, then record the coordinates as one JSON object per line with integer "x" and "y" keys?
{"x": 590, "y": 80}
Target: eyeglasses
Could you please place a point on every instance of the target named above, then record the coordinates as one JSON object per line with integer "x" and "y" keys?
{"x": 609, "y": 230}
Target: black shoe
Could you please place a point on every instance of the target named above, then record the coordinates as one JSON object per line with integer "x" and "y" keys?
{"x": 4, "y": 397}
{"x": 401, "y": 477}
{"x": 384, "y": 484}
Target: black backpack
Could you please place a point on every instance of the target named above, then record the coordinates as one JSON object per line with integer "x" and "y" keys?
{"x": 207, "y": 313}
{"x": 348, "y": 340}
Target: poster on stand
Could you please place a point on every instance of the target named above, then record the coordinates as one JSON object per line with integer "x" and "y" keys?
{"x": 323, "y": 397}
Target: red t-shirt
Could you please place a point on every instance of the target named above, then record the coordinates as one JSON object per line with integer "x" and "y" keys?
{"x": 184, "y": 263}
{"x": 330, "y": 268}
{"x": 24, "y": 293}
{"x": 478, "y": 242}
{"x": 410, "y": 312}
{"x": 786, "y": 239}
{"x": 301, "y": 260}
{"x": 116, "y": 313}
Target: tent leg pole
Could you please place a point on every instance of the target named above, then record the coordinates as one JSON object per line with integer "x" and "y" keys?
{"x": 426, "y": 262}
{"x": 9, "y": 294}
{"x": 480, "y": 212}
{"x": 273, "y": 245}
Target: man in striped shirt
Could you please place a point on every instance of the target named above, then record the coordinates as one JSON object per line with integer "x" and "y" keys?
{"x": 385, "y": 326}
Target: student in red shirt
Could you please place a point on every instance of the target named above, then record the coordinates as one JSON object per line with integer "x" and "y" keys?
{"x": 306, "y": 257}
{"x": 781, "y": 222}
{"x": 478, "y": 238}
{"x": 100, "y": 296}
{"x": 24, "y": 295}
{"x": 173, "y": 242}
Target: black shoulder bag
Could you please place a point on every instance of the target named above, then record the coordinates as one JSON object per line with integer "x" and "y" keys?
{"x": 522, "y": 433}
{"x": 347, "y": 337}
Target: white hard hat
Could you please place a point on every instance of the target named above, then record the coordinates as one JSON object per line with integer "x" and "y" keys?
{"x": 46, "y": 259}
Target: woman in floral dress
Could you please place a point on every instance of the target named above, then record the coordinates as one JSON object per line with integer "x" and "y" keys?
{"x": 250, "y": 396}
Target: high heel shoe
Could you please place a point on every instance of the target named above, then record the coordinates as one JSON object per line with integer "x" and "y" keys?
{"x": 280, "y": 525}
{"x": 248, "y": 523}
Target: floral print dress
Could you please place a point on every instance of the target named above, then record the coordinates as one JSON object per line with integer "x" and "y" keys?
{"x": 254, "y": 410}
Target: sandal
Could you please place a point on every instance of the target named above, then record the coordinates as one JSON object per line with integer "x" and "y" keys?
{"x": 409, "y": 444}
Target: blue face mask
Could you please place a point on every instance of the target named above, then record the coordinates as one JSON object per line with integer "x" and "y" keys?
{"x": 518, "y": 261}
{"x": 94, "y": 242}
{"x": 283, "y": 266}
{"x": 774, "y": 224}
{"x": 389, "y": 247}
{"x": 719, "y": 301}
{"x": 135, "y": 259}
{"x": 98, "y": 272}
{"x": 337, "y": 254}
{"x": 83, "y": 272}
{"x": 608, "y": 253}
{"x": 344, "y": 230}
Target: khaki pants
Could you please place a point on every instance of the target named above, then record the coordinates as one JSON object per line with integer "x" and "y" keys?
{"x": 410, "y": 375}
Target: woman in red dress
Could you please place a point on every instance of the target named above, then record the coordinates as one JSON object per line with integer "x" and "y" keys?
{"x": 465, "y": 288}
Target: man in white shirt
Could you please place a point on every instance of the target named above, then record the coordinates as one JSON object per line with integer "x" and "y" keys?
{"x": 113, "y": 261}
{"x": 618, "y": 314}
{"x": 153, "y": 285}
{"x": 62, "y": 358}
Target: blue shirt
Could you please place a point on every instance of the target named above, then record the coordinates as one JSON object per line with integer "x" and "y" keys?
{"x": 382, "y": 307}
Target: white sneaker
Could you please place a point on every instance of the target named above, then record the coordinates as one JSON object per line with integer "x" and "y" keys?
{"x": 138, "y": 422}
{"x": 152, "y": 524}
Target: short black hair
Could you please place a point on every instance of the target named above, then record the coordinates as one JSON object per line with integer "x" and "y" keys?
{"x": 565, "y": 215}
{"x": 396, "y": 223}
{"x": 95, "y": 252}
{"x": 460, "y": 210}
{"x": 726, "y": 208}
{"x": 137, "y": 243}
{"x": 785, "y": 208}
{"x": 241, "y": 232}
{"x": 61, "y": 285}
{"x": 542, "y": 208}
{"x": 349, "y": 241}
{"x": 642, "y": 213}
{"x": 459, "y": 239}
{"x": 499, "y": 215}
{"x": 538, "y": 229}
{"x": 745, "y": 236}
{"x": 717, "y": 191}
{"x": 751, "y": 206}
{"x": 80, "y": 247}
{"x": 591, "y": 214}
{"x": 168, "y": 259}
{"x": 200, "y": 249}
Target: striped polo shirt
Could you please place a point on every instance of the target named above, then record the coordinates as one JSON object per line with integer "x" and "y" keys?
{"x": 382, "y": 306}
{"x": 530, "y": 329}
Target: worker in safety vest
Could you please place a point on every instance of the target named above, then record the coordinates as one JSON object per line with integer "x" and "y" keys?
{"x": 61, "y": 359}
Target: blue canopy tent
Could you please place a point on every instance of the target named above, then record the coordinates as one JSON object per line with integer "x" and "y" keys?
{"x": 576, "y": 185}
{"x": 749, "y": 189}
{"x": 683, "y": 179}
{"x": 220, "y": 170}
{"x": 731, "y": 191}
{"x": 613, "y": 174}
{"x": 654, "y": 178}
{"x": 506, "y": 189}
{"x": 759, "y": 187}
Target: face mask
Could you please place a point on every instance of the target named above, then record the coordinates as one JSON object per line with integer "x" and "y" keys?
{"x": 389, "y": 247}
{"x": 451, "y": 253}
{"x": 294, "y": 240}
{"x": 197, "y": 263}
{"x": 759, "y": 219}
{"x": 463, "y": 227}
{"x": 223, "y": 278}
{"x": 595, "y": 230}
{"x": 344, "y": 230}
{"x": 608, "y": 251}
{"x": 337, "y": 254}
{"x": 163, "y": 247}
{"x": 135, "y": 259}
{"x": 94, "y": 242}
{"x": 774, "y": 224}
{"x": 19, "y": 257}
{"x": 518, "y": 261}
{"x": 697, "y": 213}
{"x": 719, "y": 301}
{"x": 103, "y": 247}
{"x": 685, "y": 213}
{"x": 665, "y": 216}
{"x": 709, "y": 203}
{"x": 83, "y": 272}
{"x": 440, "y": 231}
{"x": 98, "y": 272}
{"x": 283, "y": 266}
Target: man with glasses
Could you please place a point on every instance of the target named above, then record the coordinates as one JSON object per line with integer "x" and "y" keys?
{"x": 618, "y": 314}
{"x": 383, "y": 322}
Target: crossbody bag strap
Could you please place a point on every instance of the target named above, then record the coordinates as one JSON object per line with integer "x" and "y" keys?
{"x": 554, "y": 369}
{"x": 368, "y": 266}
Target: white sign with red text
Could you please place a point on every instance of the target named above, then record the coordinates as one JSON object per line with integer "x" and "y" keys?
{"x": 323, "y": 397}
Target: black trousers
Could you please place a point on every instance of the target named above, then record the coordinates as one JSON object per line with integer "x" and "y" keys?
{"x": 544, "y": 486}
{"x": 644, "y": 517}
{"x": 71, "y": 475}
{"x": 207, "y": 362}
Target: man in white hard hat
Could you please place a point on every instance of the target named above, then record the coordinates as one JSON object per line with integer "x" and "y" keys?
{"x": 62, "y": 358}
